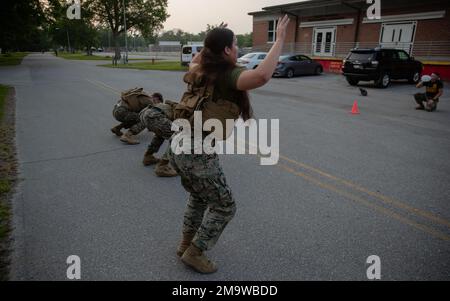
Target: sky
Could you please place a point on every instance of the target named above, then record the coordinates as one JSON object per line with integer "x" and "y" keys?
{"x": 193, "y": 15}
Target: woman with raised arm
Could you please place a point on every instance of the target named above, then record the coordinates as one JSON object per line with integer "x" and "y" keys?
{"x": 211, "y": 204}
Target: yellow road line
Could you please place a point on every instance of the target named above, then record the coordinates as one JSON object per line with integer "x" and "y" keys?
{"x": 360, "y": 200}
{"x": 377, "y": 195}
{"x": 388, "y": 200}
{"x": 103, "y": 86}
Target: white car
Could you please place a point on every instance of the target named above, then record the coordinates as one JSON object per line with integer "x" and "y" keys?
{"x": 251, "y": 60}
{"x": 188, "y": 52}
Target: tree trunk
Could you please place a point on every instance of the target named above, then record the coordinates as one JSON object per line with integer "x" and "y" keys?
{"x": 116, "y": 43}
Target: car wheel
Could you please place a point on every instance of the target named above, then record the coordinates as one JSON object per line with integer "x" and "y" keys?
{"x": 384, "y": 81}
{"x": 290, "y": 73}
{"x": 415, "y": 78}
{"x": 352, "y": 81}
{"x": 318, "y": 71}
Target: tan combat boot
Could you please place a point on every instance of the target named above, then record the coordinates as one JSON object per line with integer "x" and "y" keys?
{"x": 117, "y": 130}
{"x": 196, "y": 259}
{"x": 184, "y": 244}
{"x": 149, "y": 159}
{"x": 163, "y": 169}
{"x": 128, "y": 138}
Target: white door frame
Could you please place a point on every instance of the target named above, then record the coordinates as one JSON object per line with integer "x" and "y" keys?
{"x": 324, "y": 30}
{"x": 393, "y": 45}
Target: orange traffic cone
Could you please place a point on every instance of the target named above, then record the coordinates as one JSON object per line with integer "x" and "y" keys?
{"x": 355, "y": 109}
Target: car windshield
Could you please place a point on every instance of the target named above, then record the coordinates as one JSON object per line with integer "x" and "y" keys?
{"x": 284, "y": 57}
{"x": 361, "y": 56}
{"x": 248, "y": 56}
{"x": 187, "y": 50}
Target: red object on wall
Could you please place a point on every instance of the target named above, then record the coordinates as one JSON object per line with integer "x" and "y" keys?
{"x": 443, "y": 70}
{"x": 333, "y": 66}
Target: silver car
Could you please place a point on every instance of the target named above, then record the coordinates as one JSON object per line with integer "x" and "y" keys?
{"x": 251, "y": 60}
{"x": 297, "y": 64}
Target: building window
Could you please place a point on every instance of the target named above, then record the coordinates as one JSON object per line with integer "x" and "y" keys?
{"x": 272, "y": 33}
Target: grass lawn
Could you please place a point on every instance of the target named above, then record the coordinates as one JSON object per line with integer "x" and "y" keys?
{"x": 12, "y": 58}
{"x": 158, "y": 65}
{"x": 7, "y": 178}
{"x": 82, "y": 56}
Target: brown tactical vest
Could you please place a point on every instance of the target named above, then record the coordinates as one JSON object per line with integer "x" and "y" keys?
{"x": 136, "y": 99}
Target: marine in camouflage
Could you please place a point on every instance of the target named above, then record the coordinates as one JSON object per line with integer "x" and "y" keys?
{"x": 129, "y": 119}
{"x": 156, "y": 121}
{"x": 211, "y": 204}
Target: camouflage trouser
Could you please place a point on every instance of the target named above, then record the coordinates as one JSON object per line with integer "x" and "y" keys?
{"x": 158, "y": 123}
{"x": 211, "y": 204}
{"x": 129, "y": 119}
{"x": 423, "y": 101}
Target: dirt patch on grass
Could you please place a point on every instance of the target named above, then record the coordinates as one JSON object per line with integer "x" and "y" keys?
{"x": 8, "y": 175}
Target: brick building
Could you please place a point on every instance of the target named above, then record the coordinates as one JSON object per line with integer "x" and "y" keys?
{"x": 328, "y": 29}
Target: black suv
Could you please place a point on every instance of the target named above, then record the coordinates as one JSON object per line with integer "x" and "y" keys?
{"x": 380, "y": 65}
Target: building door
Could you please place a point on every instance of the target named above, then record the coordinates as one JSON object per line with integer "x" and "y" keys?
{"x": 324, "y": 41}
{"x": 398, "y": 36}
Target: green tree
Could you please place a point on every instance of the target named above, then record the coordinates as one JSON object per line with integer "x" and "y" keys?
{"x": 145, "y": 16}
{"x": 244, "y": 40}
{"x": 179, "y": 35}
{"x": 21, "y": 25}
{"x": 81, "y": 34}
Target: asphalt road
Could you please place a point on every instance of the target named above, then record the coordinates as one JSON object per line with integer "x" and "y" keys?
{"x": 346, "y": 187}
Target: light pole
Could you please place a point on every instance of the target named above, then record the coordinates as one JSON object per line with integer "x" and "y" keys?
{"x": 68, "y": 40}
{"x": 125, "y": 24}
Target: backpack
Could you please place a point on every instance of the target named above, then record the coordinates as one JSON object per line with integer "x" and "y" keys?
{"x": 136, "y": 99}
{"x": 167, "y": 107}
{"x": 198, "y": 97}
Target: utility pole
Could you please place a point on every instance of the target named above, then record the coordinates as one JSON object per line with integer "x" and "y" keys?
{"x": 68, "y": 40}
{"x": 125, "y": 24}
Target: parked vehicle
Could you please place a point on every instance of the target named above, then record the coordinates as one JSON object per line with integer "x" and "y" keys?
{"x": 297, "y": 64}
{"x": 380, "y": 65}
{"x": 188, "y": 52}
{"x": 252, "y": 60}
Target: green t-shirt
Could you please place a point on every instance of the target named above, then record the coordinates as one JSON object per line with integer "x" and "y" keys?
{"x": 433, "y": 88}
{"x": 225, "y": 87}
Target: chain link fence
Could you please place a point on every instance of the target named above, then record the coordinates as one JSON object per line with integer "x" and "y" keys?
{"x": 432, "y": 50}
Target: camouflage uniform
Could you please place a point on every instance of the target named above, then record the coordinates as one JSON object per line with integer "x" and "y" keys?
{"x": 129, "y": 119}
{"x": 127, "y": 109}
{"x": 211, "y": 204}
{"x": 156, "y": 121}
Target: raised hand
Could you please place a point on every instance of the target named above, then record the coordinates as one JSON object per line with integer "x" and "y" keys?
{"x": 282, "y": 27}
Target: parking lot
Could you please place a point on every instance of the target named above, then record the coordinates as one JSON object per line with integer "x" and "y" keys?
{"x": 346, "y": 186}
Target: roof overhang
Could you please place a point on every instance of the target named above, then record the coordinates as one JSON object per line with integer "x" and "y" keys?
{"x": 310, "y": 4}
{"x": 330, "y": 7}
